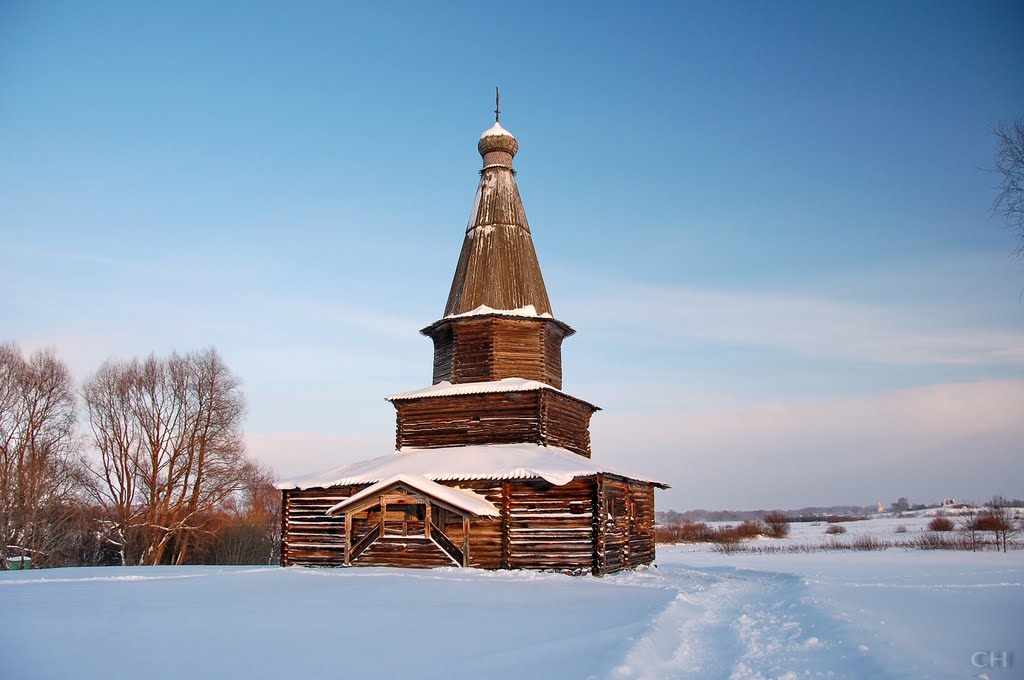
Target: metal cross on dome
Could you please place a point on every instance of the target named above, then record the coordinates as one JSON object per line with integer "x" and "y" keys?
{"x": 497, "y": 105}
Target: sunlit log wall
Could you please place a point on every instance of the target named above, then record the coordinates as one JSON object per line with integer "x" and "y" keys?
{"x": 485, "y": 348}
{"x": 599, "y": 524}
{"x": 543, "y": 417}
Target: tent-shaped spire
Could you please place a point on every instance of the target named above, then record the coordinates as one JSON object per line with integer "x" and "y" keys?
{"x": 498, "y": 266}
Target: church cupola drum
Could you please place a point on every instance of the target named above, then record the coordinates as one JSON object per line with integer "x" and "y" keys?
{"x": 492, "y": 465}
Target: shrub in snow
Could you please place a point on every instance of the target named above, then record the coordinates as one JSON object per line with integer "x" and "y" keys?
{"x": 696, "y": 532}
{"x": 735, "y": 534}
{"x": 928, "y": 540}
{"x": 835, "y": 529}
{"x": 900, "y": 529}
{"x": 941, "y": 524}
{"x": 684, "y": 532}
{"x": 776, "y": 524}
{"x": 868, "y": 542}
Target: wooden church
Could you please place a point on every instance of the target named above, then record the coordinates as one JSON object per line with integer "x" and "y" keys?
{"x": 493, "y": 465}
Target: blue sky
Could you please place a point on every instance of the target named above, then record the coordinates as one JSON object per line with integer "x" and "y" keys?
{"x": 769, "y": 222}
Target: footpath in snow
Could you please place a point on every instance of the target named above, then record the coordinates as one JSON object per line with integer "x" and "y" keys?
{"x": 889, "y": 614}
{"x": 884, "y": 614}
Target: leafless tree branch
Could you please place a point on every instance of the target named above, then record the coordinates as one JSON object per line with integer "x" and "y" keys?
{"x": 1009, "y": 165}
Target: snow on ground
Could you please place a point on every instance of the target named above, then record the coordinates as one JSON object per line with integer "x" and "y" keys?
{"x": 700, "y": 614}
{"x": 218, "y": 622}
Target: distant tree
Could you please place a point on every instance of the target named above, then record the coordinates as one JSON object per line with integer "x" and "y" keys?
{"x": 998, "y": 519}
{"x": 777, "y": 524}
{"x": 250, "y": 532}
{"x": 1009, "y": 165}
{"x": 669, "y": 517}
{"x": 169, "y": 436}
{"x": 40, "y": 468}
{"x": 970, "y": 526}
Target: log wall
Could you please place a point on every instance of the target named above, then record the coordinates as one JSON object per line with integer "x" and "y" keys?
{"x": 469, "y": 419}
{"x": 537, "y": 417}
{"x": 565, "y": 422}
{"x": 485, "y": 348}
{"x": 641, "y": 541}
{"x": 551, "y": 527}
{"x": 308, "y": 536}
{"x": 624, "y": 524}
{"x": 416, "y": 552}
{"x": 594, "y": 524}
{"x": 486, "y": 535}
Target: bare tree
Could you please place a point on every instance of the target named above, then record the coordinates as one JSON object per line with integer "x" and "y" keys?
{"x": 1009, "y": 164}
{"x": 171, "y": 453}
{"x": 109, "y": 396}
{"x": 40, "y": 468}
{"x": 972, "y": 527}
{"x": 997, "y": 517}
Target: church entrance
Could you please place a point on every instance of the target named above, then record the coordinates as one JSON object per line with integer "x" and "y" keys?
{"x": 400, "y": 525}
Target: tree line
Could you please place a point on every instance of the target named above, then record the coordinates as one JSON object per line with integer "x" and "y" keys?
{"x": 144, "y": 463}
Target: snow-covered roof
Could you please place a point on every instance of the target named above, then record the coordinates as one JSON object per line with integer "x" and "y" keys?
{"x": 454, "y": 496}
{"x": 447, "y": 389}
{"x": 495, "y": 461}
{"x": 495, "y": 129}
{"x": 528, "y": 311}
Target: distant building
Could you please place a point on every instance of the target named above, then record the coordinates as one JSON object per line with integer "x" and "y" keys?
{"x": 493, "y": 465}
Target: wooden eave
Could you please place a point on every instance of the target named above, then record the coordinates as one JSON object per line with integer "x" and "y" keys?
{"x": 546, "y": 389}
{"x": 624, "y": 478}
{"x": 429, "y": 331}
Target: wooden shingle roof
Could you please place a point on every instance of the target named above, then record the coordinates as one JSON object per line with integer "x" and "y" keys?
{"x": 498, "y": 265}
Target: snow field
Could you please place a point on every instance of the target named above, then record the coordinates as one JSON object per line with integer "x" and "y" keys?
{"x": 222, "y": 622}
{"x": 700, "y": 614}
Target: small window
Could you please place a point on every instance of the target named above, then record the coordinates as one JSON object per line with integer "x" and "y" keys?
{"x": 617, "y": 507}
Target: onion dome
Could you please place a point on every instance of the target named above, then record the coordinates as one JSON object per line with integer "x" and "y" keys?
{"x": 497, "y": 146}
{"x": 497, "y": 138}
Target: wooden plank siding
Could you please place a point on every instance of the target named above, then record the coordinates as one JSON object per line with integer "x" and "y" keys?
{"x": 537, "y": 416}
{"x": 493, "y": 347}
{"x": 598, "y": 524}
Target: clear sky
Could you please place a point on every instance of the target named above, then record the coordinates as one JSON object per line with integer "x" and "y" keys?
{"x": 768, "y": 222}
